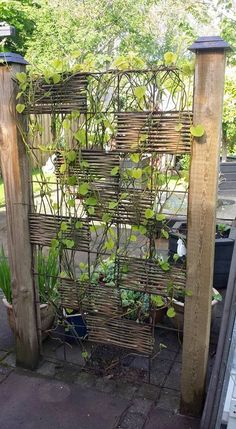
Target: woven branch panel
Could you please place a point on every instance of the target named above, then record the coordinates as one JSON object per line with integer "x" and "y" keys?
{"x": 94, "y": 165}
{"x": 44, "y": 228}
{"x": 130, "y": 210}
{"x": 62, "y": 97}
{"x": 153, "y": 132}
{"x": 72, "y": 293}
{"x": 121, "y": 333}
{"x": 102, "y": 300}
{"x": 148, "y": 276}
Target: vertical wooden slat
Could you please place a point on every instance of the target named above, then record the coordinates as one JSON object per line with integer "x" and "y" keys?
{"x": 208, "y": 98}
{"x": 15, "y": 169}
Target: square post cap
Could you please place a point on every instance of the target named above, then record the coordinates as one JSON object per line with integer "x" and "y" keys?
{"x": 210, "y": 43}
{"x": 11, "y": 58}
{"x": 6, "y": 30}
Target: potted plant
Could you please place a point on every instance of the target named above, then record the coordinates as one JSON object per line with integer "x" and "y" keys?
{"x": 224, "y": 243}
{"x": 177, "y": 301}
{"x": 47, "y": 271}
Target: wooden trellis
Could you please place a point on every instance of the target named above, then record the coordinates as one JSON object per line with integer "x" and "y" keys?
{"x": 143, "y": 125}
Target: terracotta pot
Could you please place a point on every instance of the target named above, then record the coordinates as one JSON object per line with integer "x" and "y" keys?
{"x": 47, "y": 313}
{"x": 178, "y": 320}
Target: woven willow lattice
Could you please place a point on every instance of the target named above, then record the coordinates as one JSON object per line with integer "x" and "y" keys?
{"x": 107, "y": 192}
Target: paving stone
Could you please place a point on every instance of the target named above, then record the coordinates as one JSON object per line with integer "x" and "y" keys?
{"x": 141, "y": 406}
{"x": 3, "y": 354}
{"x": 166, "y": 354}
{"x": 169, "y": 400}
{"x": 162, "y": 366}
{"x": 132, "y": 421}
{"x": 86, "y": 380}
{"x": 71, "y": 353}
{"x": 163, "y": 419}
{"x": 158, "y": 378}
{"x": 125, "y": 390}
{"x": 172, "y": 341}
{"x": 4, "y": 372}
{"x": 66, "y": 372}
{"x": 173, "y": 379}
{"x": 179, "y": 357}
{"x": 37, "y": 403}
{"x": 140, "y": 362}
{"x": 10, "y": 360}
{"x": 148, "y": 391}
{"x": 104, "y": 385}
{"x": 47, "y": 369}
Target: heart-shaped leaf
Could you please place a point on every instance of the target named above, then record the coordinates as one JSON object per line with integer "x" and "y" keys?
{"x": 149, "y": 213}
{"x": 171, "y": 312}
{"x": 197, "y": 131}
{"x": 20, "y": 108}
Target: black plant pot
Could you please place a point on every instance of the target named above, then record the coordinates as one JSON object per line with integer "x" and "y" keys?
{"x": 223, "y": 252}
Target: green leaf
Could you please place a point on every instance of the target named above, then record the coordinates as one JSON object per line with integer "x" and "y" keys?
{"x": 19, "y": 95}
{"x": 71, "y": 156}
{"x": 83, "y": 266}
{"x": 93, "y": 228}
{"x": 124, "y": 195}
{"x": 63, "y": 168}
{"x": 56, "y": 78}
{"x": 78, "y": 224}
{"x": 64, "y": 226}
{"x": 149, "y": 213}
{"x": 188, "y": 293}
{"x": 91, "y": 201}
{"x": 179, "y": 127}
{"x": 112, "y": 204}
{"x": 157, "y": 301}
{"x": 165, "y": 266}
{"x": 164, "y": 233}
{"x": 84, "y": 164}
{"x": 160, "y": 217}
{"x": 109, "y": 244}
{"x": 54, "y": 243}
{"x": 21, "y": 77}
{"x": 171, "y": 312}
{"x": 66, "y": 124}
{"x": 133, "y": 237}
{"x": 170, "y": 58}
{"x": 71, "y": 202}
{"x": 68, "y": 243}
{"x": 84, "y": 188}
{"x": 217, "y": 296}
{"x": 136, "y": 173}
{"x": 80, "y": 135}
{"x": 85, "y": 355}
{"x": 91, "y": 210}
{"x": 72, "y": 180}
{"x": 106, "y": 217}
{"x": 20, "y": 108}
{"x": 115, "y": 171}
{"x": 135, "y": 157}
{"x": 139, "y": 92}
{"x": 176, "y": 257}
{"x": 142, "y": 229}
{"x": 197, "y": 131}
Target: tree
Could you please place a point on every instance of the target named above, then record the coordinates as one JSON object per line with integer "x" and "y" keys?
{"x": 16, "y": 13}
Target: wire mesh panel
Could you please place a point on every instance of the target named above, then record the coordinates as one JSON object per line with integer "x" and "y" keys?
{"x": 105, "y": 197}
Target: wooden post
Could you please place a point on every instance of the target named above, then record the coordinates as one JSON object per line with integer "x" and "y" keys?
{"x": 203, "y": 183}
{"x": 15, "y": 171}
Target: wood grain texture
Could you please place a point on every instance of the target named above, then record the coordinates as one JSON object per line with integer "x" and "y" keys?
{"x": 15, "y": 169}
{"x": 208, "y": 97}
